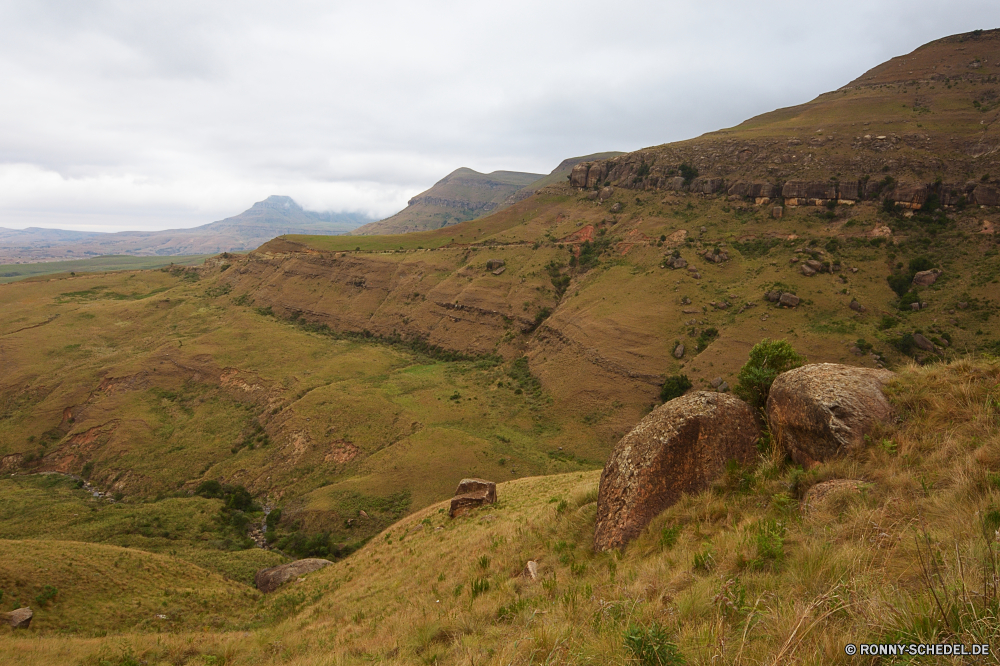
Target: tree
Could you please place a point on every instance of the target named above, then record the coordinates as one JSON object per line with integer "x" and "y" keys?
{"x": 768, "y": 359}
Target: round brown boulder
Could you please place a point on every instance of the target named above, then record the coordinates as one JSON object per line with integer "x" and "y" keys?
{"x": 678, "y": 448}
{"x": 270, "y": 579}
{"x": 821, "y": 411}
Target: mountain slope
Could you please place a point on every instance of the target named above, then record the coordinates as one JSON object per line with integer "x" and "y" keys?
{"x": 927, "y": 121}
{"x": 465, "y": 194}
{"x": 462, "y": 195}
{"x": 266, "y": 219}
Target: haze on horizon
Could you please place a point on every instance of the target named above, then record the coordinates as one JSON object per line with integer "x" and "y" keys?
{"x": 168, "y": 115}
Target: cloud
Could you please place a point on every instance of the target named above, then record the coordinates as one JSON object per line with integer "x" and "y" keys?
{"x": 150, "y": 114}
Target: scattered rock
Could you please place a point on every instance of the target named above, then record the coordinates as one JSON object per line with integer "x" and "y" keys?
{"x": 717, "y": 382}
{"x": 493, "y": 264}
{"x": 808, "y": 270}
{"x": 926, "y": 278}
{"x": 857, "y": 307}
{"x": 685, "y": 301}
{"x": 777, "y": 212}
{"x": 716, "y": 256}
{"x": 678, "y": 448}
{"x": 789, "y": 300}
{"x": 923, "y": 343}
{"x": 499, "y": 270}
{"x": 854, "y": 349}
{"x": 962, "y": 305}
{"x": 819, "y": 411}
{"x": 822, "y": 494}
{"x": 606, "y": 193}
{"x": 270, "y": 579}
{"x": 472, "y": 493}
{"x": 20, "y": 618}
{"x": 616, "y": 207}
{"x": 531, "y": 570}
{"x": 363, "y": 514}
{"x": 773, "y": 296}
{"x": 679, "y": 351}
{"x": 676, "y": 262}
{"x": 914, "y": 306}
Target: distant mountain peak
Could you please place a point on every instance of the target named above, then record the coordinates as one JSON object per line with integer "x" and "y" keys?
{"x": 278, "y": 202}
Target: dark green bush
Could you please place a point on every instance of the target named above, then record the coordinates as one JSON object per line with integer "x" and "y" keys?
{"x": 674, "y": 387}
{"x": 768, "y": 359}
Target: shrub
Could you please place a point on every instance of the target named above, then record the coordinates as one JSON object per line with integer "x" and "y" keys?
{"x": 674, "y": 387}
{"x": 768, "y": 359}
{"x": 652, "y": 646}
{"x": 688, "y": 172}
{"x": 705, "y": 338}
{"x": 47, "y": 594}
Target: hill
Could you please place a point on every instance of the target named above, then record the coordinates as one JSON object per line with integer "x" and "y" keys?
{"x": 466, "y": 195}
{"x": 462, "y": 195}
{"x": 266, "y": 219}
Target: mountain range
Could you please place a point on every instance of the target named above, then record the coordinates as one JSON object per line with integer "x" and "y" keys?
{"x": 266, "y": 219}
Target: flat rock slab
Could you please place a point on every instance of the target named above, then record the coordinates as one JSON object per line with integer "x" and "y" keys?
{"x": 270, "y": 579}
{"x": 822, "y": 411}
{"x": 678, "y": 448}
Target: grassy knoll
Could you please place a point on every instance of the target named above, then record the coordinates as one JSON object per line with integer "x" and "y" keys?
{"x": 15, "y": 272}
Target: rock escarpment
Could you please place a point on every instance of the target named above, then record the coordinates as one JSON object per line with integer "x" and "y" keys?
{"x": 679, "y": 447}
{"x": 820, "y": 411}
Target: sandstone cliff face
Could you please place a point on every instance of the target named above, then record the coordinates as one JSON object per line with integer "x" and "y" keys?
{"x": 680, "y": 447}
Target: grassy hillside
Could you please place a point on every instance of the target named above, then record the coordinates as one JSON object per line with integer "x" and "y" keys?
{"x": 922, "y": 116}
{"x": 908, "y": 559}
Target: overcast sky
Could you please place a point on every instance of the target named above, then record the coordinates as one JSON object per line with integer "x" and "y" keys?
{"x": 149, "y": 115}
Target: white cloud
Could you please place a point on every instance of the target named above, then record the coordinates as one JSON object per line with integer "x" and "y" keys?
{"x": 152, "y": 114}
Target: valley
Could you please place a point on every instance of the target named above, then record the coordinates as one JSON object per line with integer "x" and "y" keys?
{"x": 325, "y": 394}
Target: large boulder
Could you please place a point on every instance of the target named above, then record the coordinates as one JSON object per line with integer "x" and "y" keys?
{"x": 270, "y": 579}
{"x": 820, "y": 411}
{"x": 926, "y": 278}
{"x": 678, "y": 448}
{"x": 19, "y": 619}
{"x": 472, "y": 493}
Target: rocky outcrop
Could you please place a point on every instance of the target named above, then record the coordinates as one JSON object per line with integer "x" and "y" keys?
{"x": 926, "y": 278}
{"x": 821, "y": 411}
{"x": 986, "y": 195}
{"x": 472, "y": 493}
{"x": 578, "y": 176}
{"x": 19, "y": 619}
{"x": 270, "y": 579}
{"x": 678, "y": 448}
{"x": 789, "y": 300}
